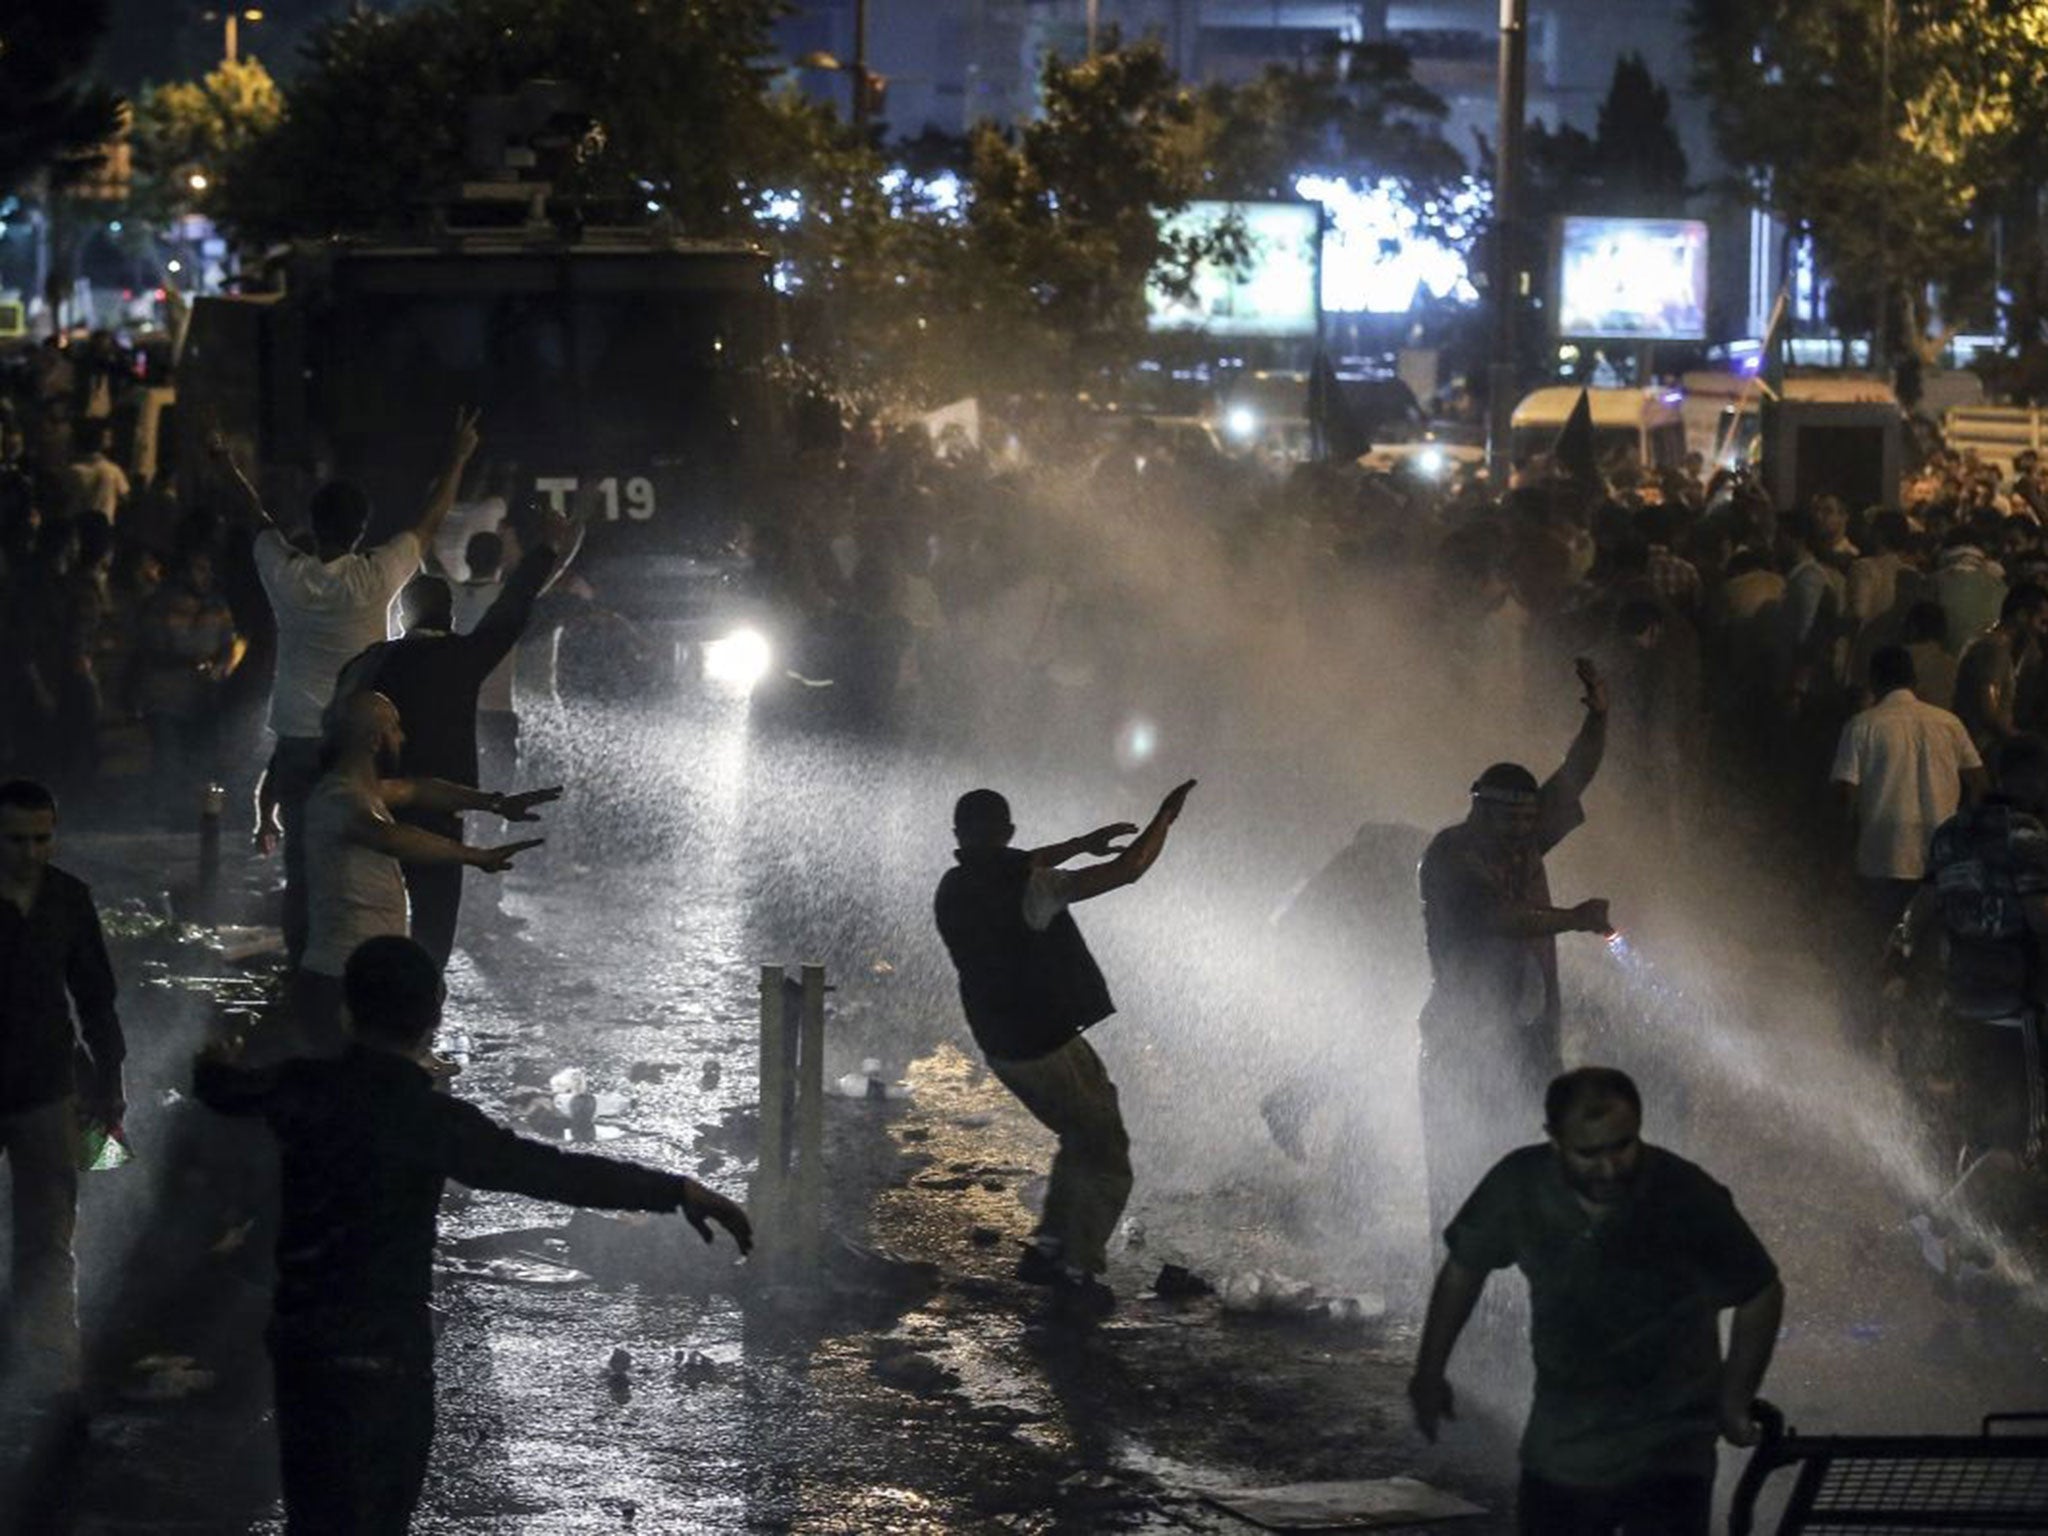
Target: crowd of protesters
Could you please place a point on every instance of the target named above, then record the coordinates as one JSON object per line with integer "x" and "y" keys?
{"x": 119, "y": 645}
{"x": 1849, "y": 675}
{"x": 1856, "y": 675}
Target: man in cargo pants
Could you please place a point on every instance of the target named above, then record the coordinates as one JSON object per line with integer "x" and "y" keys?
{"x": 1030, "y": 988}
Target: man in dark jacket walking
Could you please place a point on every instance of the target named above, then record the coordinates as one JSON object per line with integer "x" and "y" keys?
{"x": 1030, "y": 988}
{"x": 434, "y": 676}
{"x": 53, "y": 959}
{"x": 367, "y": 1144}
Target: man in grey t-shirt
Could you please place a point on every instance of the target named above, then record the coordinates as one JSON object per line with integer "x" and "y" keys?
{"x": 354, "y": 846}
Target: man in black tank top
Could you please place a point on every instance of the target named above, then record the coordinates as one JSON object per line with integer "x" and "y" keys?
{"x": 1030, "y": 988}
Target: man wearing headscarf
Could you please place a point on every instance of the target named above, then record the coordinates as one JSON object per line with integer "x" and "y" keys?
{"x": 1490, "y": 1030}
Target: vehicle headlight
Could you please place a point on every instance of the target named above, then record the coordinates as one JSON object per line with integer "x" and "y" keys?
{"x": 740, "y": 658}
{"x": 1242, "y": 422}
{"x": 1430, "y": 461}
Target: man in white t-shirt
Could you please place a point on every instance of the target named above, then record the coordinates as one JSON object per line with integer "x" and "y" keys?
{"x": 1902, "y": 769}
{"x": 330, "y": 604}
{"x": 98, "y": 483}
{"x": 353, "y": 847}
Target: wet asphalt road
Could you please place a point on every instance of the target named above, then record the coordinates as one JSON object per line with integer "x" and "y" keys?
{"x": 697, "y": 843}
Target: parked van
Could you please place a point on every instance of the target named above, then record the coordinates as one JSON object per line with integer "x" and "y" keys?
{"x": 1645, "y": 422}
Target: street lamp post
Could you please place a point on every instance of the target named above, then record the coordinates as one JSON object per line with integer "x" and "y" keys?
{"x": 855, "y": 69}
{"x": 860, "y": 67}
{"x": 1506, "y": 281}
{"x": 231, "y": 21}
{"x": 1881, "y": 331}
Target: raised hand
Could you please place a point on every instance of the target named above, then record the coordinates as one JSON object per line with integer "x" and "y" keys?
{"x": 1102, "y": 842}
{"x": 562, "y": 531}
{"x": 1171, "y": 806}
{"x": 1592, "y": 917}
{"x": 466, "y": 438}
{"x": 495, "y": 861}
{"x": 520, "y": 807}
{"x": 1595, "y": 698}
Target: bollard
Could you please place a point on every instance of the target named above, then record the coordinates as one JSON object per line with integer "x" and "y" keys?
{"x": 212, "y": 802}
{"x": 789, "y": 1188}
{"x": 810, "y": 1115}
{"x": 767, "y": 1196}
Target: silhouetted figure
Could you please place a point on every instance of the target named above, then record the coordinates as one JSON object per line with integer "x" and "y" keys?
{"x": 1030, "y": 988}
{"x": 1350, "y": 938}
{"x": 187, "y": 649}
{"x": 1987, "y": 886}
{"x": 366, "y": 1146}
{"x": 53, "y": 958}
{"x": 1490, "y": 1030}
{"x": 435, "y": 677}
{"x": 1631, "y": 1254}
{"x": 497, "y": 714}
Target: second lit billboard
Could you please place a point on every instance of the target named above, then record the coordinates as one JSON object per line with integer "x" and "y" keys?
{"x": 1632, "y": 279}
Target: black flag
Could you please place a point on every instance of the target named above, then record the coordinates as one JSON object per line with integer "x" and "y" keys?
{"x": 1573, "y": 449}
{"x": 1338, "y": 434}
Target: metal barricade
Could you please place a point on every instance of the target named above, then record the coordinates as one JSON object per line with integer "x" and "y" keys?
{"x": 1862, "y": 1485}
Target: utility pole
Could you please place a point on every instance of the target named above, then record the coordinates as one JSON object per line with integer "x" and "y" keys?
{"x": 1507, "y": 278}
{"x": 1881, "y": 331}
{"x": 1094, "y": 17}
{"x": 860, "y": 68}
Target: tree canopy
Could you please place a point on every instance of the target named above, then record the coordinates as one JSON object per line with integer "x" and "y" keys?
{"x": 53, "y": 118}
{"x": 1631, "y": 165}
{"x": 1896, "y": 151}
{"x": 673, "y": 98}
{"x": 189, "y": 128}
{"x": 1033, "y": 273}
{"x": 1063, "y": 216}
{"x": 1356, "y": 113}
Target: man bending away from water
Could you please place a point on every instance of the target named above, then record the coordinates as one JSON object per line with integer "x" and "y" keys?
{"x": 1631, "y": 1253}
{"x": 367, "y": 1144}
{"x": 1030, "y": 988}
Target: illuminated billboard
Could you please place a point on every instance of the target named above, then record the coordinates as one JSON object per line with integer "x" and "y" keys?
{"x": 1632, "y": 279}
{"x": 1384, "y": 252}
{"x": 1273, "y": 294}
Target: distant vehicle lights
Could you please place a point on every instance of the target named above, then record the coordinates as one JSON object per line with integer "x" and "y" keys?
{"x": 740, "y": 659}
